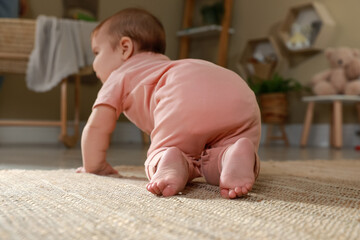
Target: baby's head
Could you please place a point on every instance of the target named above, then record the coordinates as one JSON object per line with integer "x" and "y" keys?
{"x": 122, "y": 35}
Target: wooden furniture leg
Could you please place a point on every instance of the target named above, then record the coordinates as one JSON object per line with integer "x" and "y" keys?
{"x": 268, "y": 134}
{"x": 224, "y": 36}
{"x": 332, "y": 129}
{"x": 187, "y": 22}
{"x": 337, "y": 124}
{"x": 284, "y": 135}
{"x": 63, "y": 108}
{"x": 307, "y": 123}
{"x": 358, "y": 110}
{"x": 69, "y": 141}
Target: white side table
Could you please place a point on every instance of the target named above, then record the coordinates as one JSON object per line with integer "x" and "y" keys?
{"x": 336, "y": 138}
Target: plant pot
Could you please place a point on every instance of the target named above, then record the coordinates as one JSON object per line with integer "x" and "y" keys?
{"x": 274, "y": 108}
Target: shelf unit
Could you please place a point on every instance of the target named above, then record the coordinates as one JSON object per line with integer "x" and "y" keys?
{"x": 189, "y": 31}
{"x": 207, "y": 30}
{"x": 266, "y": 46}
{"x": 315, "y": 11}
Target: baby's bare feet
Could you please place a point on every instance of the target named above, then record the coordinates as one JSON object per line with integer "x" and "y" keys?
{"x": 101, "y": 169}
{"x": 171, "y": 175}
{"x": 237, "y": 175}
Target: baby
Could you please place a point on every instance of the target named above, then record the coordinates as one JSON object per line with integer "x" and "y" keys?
{"x": 203, "y": 119}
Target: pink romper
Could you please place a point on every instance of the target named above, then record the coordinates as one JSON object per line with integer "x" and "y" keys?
{"x": 194, "y": 105}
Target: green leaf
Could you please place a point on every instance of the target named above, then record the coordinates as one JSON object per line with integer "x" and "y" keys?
{"x": 275, "y": 84}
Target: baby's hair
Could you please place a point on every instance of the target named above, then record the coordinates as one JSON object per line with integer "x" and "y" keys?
{"x": 139, "y": 25}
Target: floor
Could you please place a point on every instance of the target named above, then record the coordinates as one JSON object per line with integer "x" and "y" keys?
{"x": 56, "y": 156}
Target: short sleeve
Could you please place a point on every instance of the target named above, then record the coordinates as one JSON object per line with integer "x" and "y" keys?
{"x": 111, "y": 94}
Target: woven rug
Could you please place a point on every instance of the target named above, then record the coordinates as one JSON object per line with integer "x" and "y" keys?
{"x": 291, "y": 200}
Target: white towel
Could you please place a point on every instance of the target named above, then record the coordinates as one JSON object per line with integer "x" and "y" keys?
{"x": 62, "y": 48}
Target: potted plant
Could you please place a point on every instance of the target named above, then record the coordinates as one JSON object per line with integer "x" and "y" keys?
{"x": 272, "y": 96}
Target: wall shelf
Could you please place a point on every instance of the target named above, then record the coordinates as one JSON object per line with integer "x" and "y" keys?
{"x": 222, "y": 30}
{"x": 315, "y": 24}
{"x": 203, "y": 31}
{"x": 261, "y": 58}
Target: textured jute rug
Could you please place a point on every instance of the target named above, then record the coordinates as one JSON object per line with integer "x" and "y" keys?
{"x": 291, "y": 200}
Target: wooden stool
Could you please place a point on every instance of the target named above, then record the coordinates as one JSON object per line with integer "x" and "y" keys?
{"x": 336, "y": 139}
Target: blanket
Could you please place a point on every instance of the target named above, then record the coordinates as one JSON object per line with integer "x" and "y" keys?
{"x": 62, "y": 48}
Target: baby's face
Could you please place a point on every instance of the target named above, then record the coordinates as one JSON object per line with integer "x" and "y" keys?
{"x": 106, "y": 59}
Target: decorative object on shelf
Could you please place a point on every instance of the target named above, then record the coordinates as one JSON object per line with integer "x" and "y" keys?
{"x": 303, "y": 36}
{"x": 81, "y": 14}
{"x": 212, "y": 14}
{"x": 343, "y": 76}
{"x": 263, "y": 66}
{"x": 86, "y": 10}
{"x": 314, "y": 31}
{"x": 298, "y": 40}
{"x": 261, "y": 57}
{"x": 307, "y": 28}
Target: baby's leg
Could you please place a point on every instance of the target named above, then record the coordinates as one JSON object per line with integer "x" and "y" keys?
{"x": 172, "y": 173}
{"x": 237, "y": 169}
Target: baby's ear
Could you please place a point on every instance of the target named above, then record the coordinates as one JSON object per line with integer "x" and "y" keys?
{"x": 126, "y": 47}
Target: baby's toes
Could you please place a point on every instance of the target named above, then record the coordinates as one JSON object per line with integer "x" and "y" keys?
{"x": 243, "y": 190}
{"x": 240, "y": 191}
{"x": 232, "y": 193}
{"x": 224, "y": 193}
{"x": 153, "y": 188}
{"x": 228, "y": 193}
{"x": 249, "y": 186}
{"x": 149, "y": 188}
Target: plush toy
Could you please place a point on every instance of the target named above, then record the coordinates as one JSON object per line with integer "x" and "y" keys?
{"x": 353, "y": 87}
{"x": 352, "y": 72}
{"x": 352, "y": 69}
{"x": 344, "y": 66}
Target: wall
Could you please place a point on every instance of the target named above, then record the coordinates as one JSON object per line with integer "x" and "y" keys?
{"x": 251, "y": 19}
{"x": 257, "y": 18}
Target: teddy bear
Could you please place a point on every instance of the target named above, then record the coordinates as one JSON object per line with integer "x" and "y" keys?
{"x": 343, "y": 75}
{"x": 352, "y": 72}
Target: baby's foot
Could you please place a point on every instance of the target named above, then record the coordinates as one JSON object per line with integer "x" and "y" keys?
{"x": 171, "y": 175}
{"x": 237, "y": 175}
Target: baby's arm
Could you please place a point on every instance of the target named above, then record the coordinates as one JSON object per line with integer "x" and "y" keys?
{"x": 96, "y": 139}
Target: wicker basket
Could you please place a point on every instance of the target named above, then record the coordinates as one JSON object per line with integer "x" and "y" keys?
{"x": 16, "y": 43}
{"x": 274, "y": 108}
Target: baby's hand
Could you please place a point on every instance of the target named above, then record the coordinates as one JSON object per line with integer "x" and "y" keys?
{"x": 105, "y": 169}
